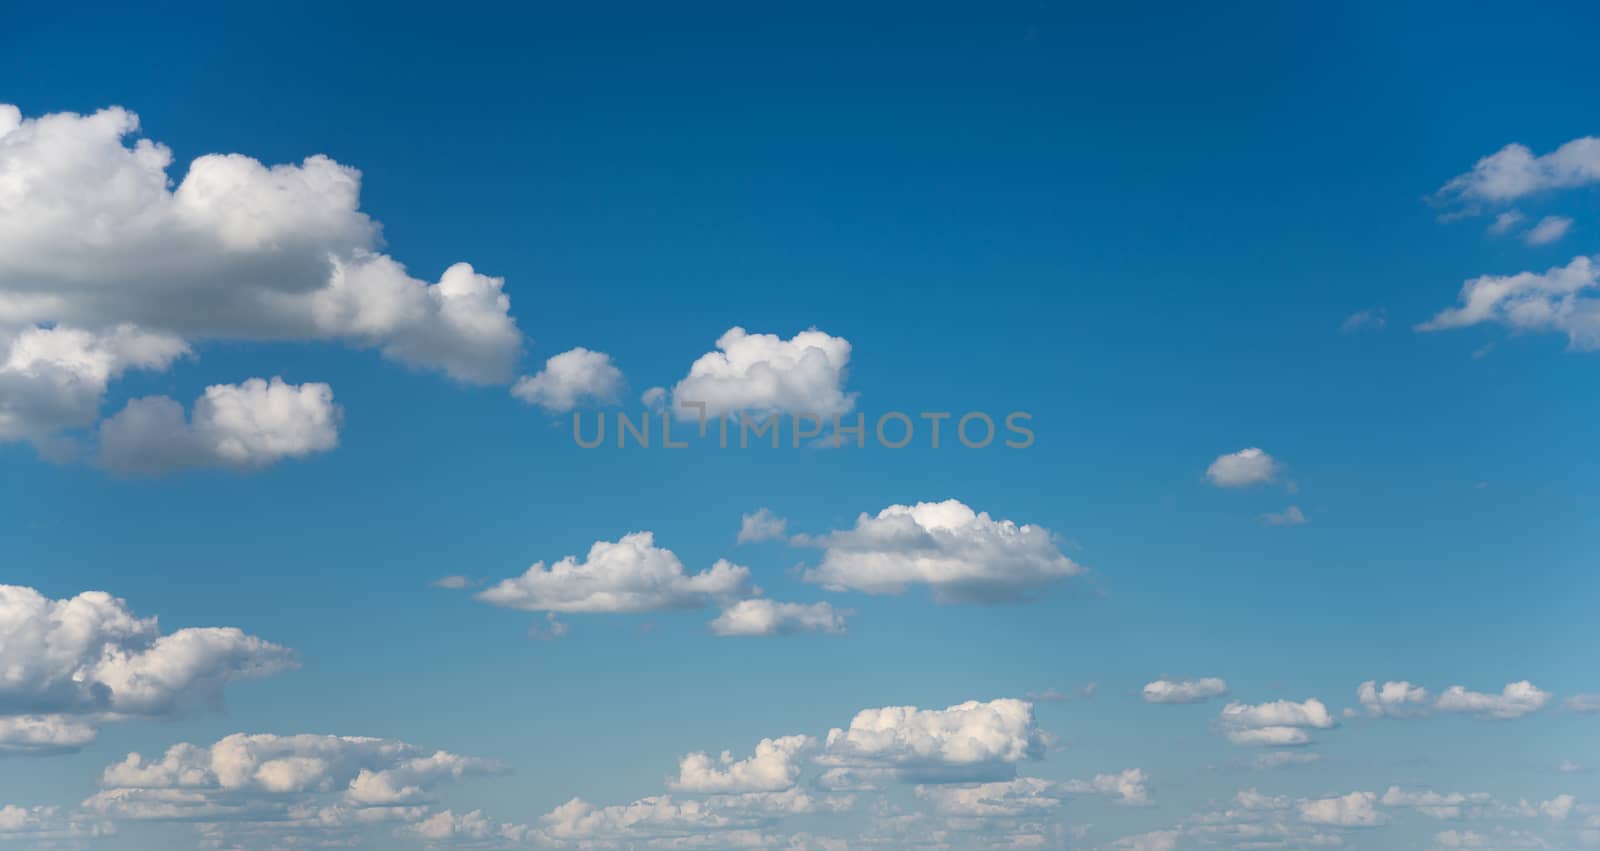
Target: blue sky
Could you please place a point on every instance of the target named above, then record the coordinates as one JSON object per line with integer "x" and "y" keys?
{"x": 1170, "y": 234}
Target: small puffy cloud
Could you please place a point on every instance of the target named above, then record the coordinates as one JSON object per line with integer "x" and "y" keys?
{"x": 1184, "y": 691}
{"x": 239, "y": 426}
{"x": 1356, "y": 809}
{"x": 447, "y": 828}
{"x": 1560, "y": 299}
{"x": 1393, "y": 699}
{"x": 963, "y": 555}
{"x": 762, "y": 526}
{"x": 1514, "y": 701}
{"x": 758, "y": 617}
{"x": 968, "y": 741}
{"x": 1548, "y": 230}
{"x": 628, "y": 575}
{"x": 1276, "y": 723}
{"x": 71, "y": 663}
{"x": 775, "y": 766}
{"x": 1291, "y": 516}
{"x": 1242, "y": 469}
{"x": 766, "y": 374}
{"x": 569, "y": 379}
{"x": 1514, "y": 172}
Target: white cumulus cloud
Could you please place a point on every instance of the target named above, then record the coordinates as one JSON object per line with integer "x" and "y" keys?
{"x": 766, "y": 374}
{"x": 762, "y": 526}
{"x": 1246, "y": 467}
{"x": 963, "y": 555}
{"x": 1561, "y": 299}
{"x": 1357, "y": 809}
{"x": 774, "y": 767}
{"x": 1275, "y": 723}
{"x": 759, "y": 616}
{"x": 240, "y": 426}
{"x": 1184, "y": 691}
{"x": 1514, "y": 172}
{"x": 1514, "y": 701}
{"x": 968, "y": 741}
{"x": 569, "y": 379}
{"x": 628, "y": 575}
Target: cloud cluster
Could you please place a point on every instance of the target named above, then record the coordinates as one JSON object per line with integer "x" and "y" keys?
{"x": 1184, "y": 691}
{"x": 1401, "y": 699}
{"x": 74, "y": 663}
{"x": 766, "y": 374}
{"x": 239, "y": 426}
{"x": 628, "y": 575}
{"x": 963, "y": 555}
{"x": 108, "y": 265}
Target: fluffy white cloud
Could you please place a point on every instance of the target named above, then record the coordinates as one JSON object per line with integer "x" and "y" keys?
{"x": 968, "y": 741}
{"x": 70, "y": 663}
{"x": 1241, "y": 469}
{"x": 762, "y": 526}
{"x": 569, "y": 379}
{"x": 1356, "y": 809}
{"x": 1276, "y": 723}
{"x": 1548, "y": 230}
{"x": 774, "y": 767}
{"x": 1184, "y": 691}
{"x": 629, "y": 575}
{"x": 448, "y": 828}
{"x": 236, "y": 249}
{"x": 759, "y": 616}
{"x": 1514, "y": 701}
{"x": 1560, "y": 299}
{"x": 1514, "y": 171}
{"x": 961, "y": 554}
{"x": 239, "y": 426}
{"x": 766, "y": 374}
{"x": 1393, "y": 699}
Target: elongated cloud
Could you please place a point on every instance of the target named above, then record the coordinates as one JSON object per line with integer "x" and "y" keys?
{"x": 1184, "y": 691}
{"x": 1514, "y": 701}
{"x": 235, "y": 250}
{"x": 241, "y": 426}
{"x": 1561, "y": 299}
{"x": 759, "y": 616}
{"x": 628, "y": 575}
{"x": 963, "y": 555}
{"x": 1276, "y": 723}
{"x": 1515, "y": 171}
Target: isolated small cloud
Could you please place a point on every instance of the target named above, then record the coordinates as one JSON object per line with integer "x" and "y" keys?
{"x": 1291, "y": 516}
{"x": 962, "y": 554}
{"x": 1371, "y": 319}
{"x": 1393, "y": 699}
{"x": 762, "y": 526}
{"x": 1505, "y": 222}
{"x": 570, "y": 379}
{"x": 1184, "y": 691}
{"x": 1548, "y": 230}
{"x": 766, "y": 374}
{"x": 761, "y": 617}
{"x": 1242, "y": 469}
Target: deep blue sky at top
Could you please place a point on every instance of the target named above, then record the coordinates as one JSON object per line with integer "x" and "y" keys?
{"x": 1142, "y": 223}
